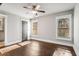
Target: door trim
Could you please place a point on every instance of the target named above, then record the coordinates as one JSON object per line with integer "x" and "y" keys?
{"x": 5, "y": 28}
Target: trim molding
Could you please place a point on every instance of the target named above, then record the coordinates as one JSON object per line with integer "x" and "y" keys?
{"x": 49, "y": 41}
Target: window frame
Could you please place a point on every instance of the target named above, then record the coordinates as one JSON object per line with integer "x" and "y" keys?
{"x": 33, "y": 21}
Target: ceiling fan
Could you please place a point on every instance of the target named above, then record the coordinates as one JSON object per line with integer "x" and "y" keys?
{"x": 35, "y": 8}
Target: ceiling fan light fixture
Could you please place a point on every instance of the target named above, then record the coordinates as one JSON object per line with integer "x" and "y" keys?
{"x": 34, "y": 12}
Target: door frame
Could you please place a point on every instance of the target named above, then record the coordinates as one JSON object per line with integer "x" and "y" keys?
{"x": 5, "y": 28}
{"x": 28, "y": 29}
{"x": 23, "y": 29}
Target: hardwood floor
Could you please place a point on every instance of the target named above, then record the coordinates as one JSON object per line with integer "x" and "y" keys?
{"x": 1, "y": 44}
{"x": 37, "y": 48}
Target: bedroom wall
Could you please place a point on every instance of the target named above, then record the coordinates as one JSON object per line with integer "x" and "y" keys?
{"x": 47, "y": 28}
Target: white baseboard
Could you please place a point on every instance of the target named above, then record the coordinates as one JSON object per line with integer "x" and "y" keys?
{"x": 61, "y": 43}
{"x": 13, "y": 42}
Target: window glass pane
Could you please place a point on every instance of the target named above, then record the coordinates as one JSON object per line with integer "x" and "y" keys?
{"x": 63, "y": 28}
{"x": 34, "y": 28}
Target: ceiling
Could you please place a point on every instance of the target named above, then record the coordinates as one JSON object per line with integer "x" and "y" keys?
{"x": 17, "y": 8}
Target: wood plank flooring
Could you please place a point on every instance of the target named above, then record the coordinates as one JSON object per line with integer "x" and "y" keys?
{"x": 37, "y": 48}
{"x": 1, "y": 44}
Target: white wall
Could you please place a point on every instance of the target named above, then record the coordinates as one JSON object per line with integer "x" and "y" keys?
{"x": 76, "y": 29}
{"x": 13, "y": 28}
{"x": 47, "y": 27}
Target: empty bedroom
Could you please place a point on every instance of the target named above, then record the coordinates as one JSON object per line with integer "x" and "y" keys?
{"x": 39, "y": 29}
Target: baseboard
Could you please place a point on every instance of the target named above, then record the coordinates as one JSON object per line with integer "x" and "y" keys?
{"x": 13, "y": 42}
{"x": 53, "y": 42}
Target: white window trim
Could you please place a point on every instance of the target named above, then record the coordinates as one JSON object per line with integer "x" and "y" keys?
{"x": 70, "y": 27}
{"x": 32, "y": 27}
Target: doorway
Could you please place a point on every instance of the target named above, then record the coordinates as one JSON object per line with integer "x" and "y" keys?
{"x": 24, "y": 30}
{"x": 2, "y": 31}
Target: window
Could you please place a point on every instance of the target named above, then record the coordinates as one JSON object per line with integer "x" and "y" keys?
{"x": 63, "y": 27}
{"x": 34, "y": 28}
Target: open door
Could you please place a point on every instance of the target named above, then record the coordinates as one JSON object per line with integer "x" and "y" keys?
{"x": 24, "y": 30}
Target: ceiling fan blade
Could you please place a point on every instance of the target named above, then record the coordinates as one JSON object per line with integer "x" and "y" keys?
{"x": 41, "y": 11}
{"x": 37, "y": 7}
{"x": 25, "y": 7}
